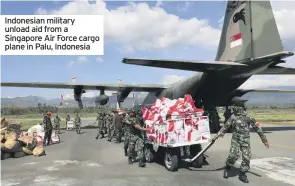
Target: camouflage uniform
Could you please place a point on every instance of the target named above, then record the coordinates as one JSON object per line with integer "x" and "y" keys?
{"x": 126, "y": 129}
{"x": 135, "y": 140}
{"x": 117, "y": 132}
{"x": 78, "y": 124}
{"x": 57, "y": 124}
{"x": 68, "y": 118}
{"x": 111, "y": 126}
{"x": 241, "y": 121}
{"x": 100, "y": 120}
{"x": 48, "y": 130}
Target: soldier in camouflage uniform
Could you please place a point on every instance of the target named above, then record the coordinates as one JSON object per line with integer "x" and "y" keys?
{"x": 78, "y": 124}
{"x": 47, "y": 129}
{"x": 57, "y": 124}
{"x": 126, "y": 132}
{"x": 135, "y": 138}
{"x": 117, "y": 127}
{"x": 100, "y": 121}
{"x": 111, "y": 126}
{"x": 241, "y": 122}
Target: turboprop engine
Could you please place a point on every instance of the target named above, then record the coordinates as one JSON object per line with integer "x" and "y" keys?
{"x": 102, "y": 99}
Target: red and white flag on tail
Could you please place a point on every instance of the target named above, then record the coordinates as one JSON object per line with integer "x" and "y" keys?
{"x": 74, "y": 79}
{"x": 236, "y": 40}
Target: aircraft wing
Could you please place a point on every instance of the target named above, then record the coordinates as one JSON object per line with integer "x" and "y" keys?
{"x": 108, "y": 87}
{"x": 241, "y": 92}
{"x": 199, "y": 66}
{"x": 277, "y": 70}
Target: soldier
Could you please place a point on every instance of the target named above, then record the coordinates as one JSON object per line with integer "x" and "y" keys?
{"x": 100, "y": 120}
{"x": 68, "y": 118}
{"x": 141, "y": 143}
{"x": 47, "y": 129}
{"x": 57, "y": 124}
{"x": 118, "y": 127}
{"x": 78, "y": 124}
{"x": 135, "y": 138}
{"x": 111, "y": 129}
{"x": 126, "y": 130}
{"x": 241, "y": 121}
{"x": 106, "y": 122}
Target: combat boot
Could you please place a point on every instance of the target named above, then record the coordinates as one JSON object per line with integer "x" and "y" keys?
{"x": 102, "y": 136}
{"x": 130, "y": 160}
{"x": 109, "y": 140}
{"x": 141, "y": 163}
{"x": 125, "y": 150}
{"x": 225, "y": 172}
{"x": 243, "y": 177}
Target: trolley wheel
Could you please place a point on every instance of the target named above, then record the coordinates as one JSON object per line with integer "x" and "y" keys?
{"x": 149, "y": 155}
{"x": 171, "y": 161}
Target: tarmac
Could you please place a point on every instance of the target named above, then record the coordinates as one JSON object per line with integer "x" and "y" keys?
{"x": 83, "y": 160}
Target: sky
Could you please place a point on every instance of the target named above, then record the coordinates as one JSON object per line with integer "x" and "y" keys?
{"x": 133, "y": 30}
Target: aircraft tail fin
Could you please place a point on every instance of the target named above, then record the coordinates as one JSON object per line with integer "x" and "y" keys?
{"x": 249, "y": 32}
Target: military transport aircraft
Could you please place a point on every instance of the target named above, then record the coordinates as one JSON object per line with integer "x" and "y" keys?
{"x": 249, "y": 45}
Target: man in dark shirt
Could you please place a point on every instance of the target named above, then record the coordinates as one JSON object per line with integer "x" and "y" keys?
{"x": 47, "y": 129}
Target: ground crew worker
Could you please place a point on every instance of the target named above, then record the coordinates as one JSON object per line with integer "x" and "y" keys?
{"x": 47, "y": 129}
{"x": 118, "y": 128}
{"x": 57, "y": 124}
{"x": 241, "y": 121}
{"x": 78, "y": 124}
{"x": 135, "y": 138}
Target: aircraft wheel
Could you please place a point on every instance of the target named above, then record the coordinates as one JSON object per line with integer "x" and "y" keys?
{"x": 195, "y": 149}
{"x": 198, "y": 163}
{"x": 214, "y": 122}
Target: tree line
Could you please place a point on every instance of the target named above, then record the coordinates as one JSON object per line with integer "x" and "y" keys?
{"x": 43, "y": 108}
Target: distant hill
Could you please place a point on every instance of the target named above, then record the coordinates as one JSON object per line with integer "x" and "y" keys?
{"x": 255, "y": 99}
{"x": 32, "y": 101}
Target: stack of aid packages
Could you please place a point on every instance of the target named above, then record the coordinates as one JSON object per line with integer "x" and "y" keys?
{"x": 176, "y": 121}
{"x": 12, "y": 145}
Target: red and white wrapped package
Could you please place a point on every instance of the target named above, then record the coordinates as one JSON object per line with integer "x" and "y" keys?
{"x": 183, "y": 124}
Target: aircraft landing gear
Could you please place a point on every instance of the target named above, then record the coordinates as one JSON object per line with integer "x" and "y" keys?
{"x": 214, "y": 120}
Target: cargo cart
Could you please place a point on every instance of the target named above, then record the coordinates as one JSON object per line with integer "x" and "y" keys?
{"x": 178, "y": 139}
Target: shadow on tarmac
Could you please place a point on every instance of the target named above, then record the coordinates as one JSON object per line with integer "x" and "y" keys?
{"x": 273, "y": 129}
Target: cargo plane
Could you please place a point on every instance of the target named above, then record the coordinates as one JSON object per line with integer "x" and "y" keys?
{"x": 249, "y": 44}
